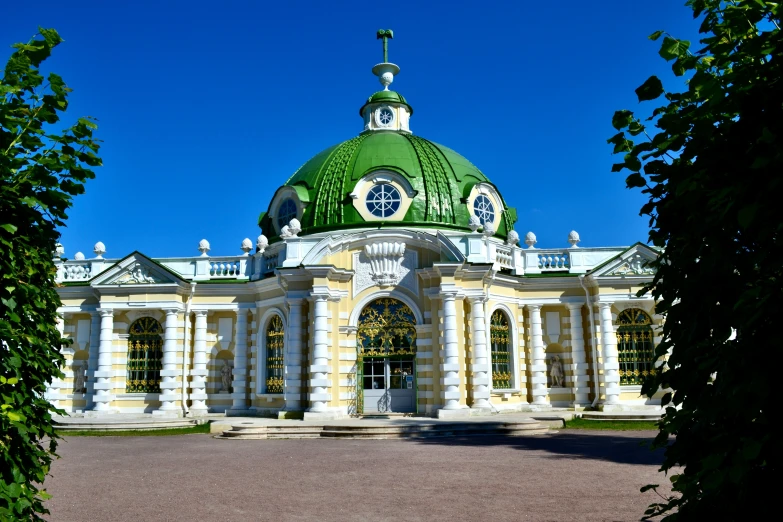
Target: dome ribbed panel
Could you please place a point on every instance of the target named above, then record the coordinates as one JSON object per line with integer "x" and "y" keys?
{"x": 436, "y": 184}
{"x": 331, "y": 186}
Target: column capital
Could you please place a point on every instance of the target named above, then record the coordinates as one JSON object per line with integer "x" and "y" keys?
{"x": 171, "y": 311}
{"x": 105, "y": 312}
{"x": 605, "y": 306}
{"x": 448, "y": 295}
{"x": 574, "y": 306}
{"x": 201, "y": 313}
{"x": 477, "y": 299}
{"x": 533, "y": 307}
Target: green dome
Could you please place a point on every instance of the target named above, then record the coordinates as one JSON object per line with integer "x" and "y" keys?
{"x": 441, "y": 178}
{"x": 386, "y": 96}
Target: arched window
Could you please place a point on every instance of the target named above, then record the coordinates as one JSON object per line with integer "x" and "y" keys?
{"x": 500, "y": 338}
{"x": 386, "y": 327}
{"x": 383, "y": 200}
{"x": 484, "y": 209}
{"x": 286, "y": 212}
{"x": 635, "y": 346}
{"x": 275, "y": 337}
{"x": 145, "y": 354}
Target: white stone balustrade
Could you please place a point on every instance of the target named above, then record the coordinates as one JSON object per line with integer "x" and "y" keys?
{"x": 225, "y": 268}
{"x": 554, "y": 261}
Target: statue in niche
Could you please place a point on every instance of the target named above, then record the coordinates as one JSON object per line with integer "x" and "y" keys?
{"x": 78, "y": 379}
{"x": 556, "y": 372}
{"x": 225, "y": 377}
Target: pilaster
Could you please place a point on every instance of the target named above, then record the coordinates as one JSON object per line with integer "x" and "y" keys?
{"x": 169, "y": 374}
{"x": 480, "y": 366}
{"x": 292, "y": 388}
{"x": 580, "y": 387}
{"x": 239, "y": 384}
{"x": 537, "y": 359}
{"x": 103, "y": 385}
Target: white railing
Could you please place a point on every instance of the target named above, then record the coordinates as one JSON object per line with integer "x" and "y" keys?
{"x": 225, "y": 268}
{"x": 74, "y": 271}
{"x": 504, "y": 256}
{"x": 554, "y": 261}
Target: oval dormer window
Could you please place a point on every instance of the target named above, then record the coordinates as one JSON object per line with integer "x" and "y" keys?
{"x": 484, "y": 209}
{"x": 286, "y": 212}
{"x": 383, "y": 200}
{"x": 385, "y": 116}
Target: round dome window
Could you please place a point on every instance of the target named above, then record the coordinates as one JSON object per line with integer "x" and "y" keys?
{"x": 383, "y": 200}
{"x": 484, "y": 209}
{"x": 286, "y": 212}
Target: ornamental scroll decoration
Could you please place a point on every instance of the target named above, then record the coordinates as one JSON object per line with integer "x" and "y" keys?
{"x": 635, "y": 265}
{"x": 387, "y": 327}
{"x": 136, "y": 274}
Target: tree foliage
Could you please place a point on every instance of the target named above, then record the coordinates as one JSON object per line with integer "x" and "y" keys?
{"x": 40, "y": 172}
{"x": 711, "y": 161}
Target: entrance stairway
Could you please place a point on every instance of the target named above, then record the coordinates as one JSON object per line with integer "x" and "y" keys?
{"x": 252, "y": 431}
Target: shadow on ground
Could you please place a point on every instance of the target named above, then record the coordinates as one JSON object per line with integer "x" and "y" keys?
{"x": 621, "y": 448}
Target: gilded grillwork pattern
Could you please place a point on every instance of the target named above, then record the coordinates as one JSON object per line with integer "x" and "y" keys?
{"x": 635, "y": 346}
{"x": 500, "y": 340}
{"x": 145, "y": 356}
{"x": 387, "y": 327}
{"x": 275, "y": 343}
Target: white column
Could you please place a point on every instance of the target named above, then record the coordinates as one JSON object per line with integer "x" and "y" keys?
{"x": 480, "y": 363}
{"x": 92, "y": 362}
{"x": 169, "y": 374}
{"x": 239, "y": 385}
{"x": 198, "y": 394}
{"x": 319, "y": 370}
{"x": 580, "y": 387}
{"x": 292, "y": 388}
{"x": 450, "y": 393}
{"x": 53, "y": 388}
{"x": 537, "y": 357}
{"x": 104, "y": 373}
{"x": 610, "y": 364}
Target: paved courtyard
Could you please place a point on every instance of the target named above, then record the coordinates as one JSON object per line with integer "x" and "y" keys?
{"x": 570, "y": 475}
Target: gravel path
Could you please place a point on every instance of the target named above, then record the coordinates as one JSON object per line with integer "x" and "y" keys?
{"x": 569, "y": 475}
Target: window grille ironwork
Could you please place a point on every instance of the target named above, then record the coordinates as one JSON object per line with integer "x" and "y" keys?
{"x": 500, "y": 339}
{"x": 387, "y": 328}
{"x": 484, "y": 209}
{"x": 275, "y": 343}
{"x": 145, "y": 356}
{"x": 286, "y": 212}
{"x": 383, "y": 200}
{"x": 635, "y": 349}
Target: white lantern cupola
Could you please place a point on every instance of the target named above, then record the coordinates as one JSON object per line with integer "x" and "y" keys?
{"x": 386, "y": 110}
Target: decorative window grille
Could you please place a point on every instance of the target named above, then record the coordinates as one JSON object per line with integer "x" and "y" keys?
{"x": 387, "y": 327}
{"x": 286, "y": 212}
{"x": 500, "y": 339}
{"x": 145, "y": 356}
{"x": 275, "y": 343}
{"x": 484, "y": 209}
{"x": 635, "y": 346}
{"x": 383, "y": 200}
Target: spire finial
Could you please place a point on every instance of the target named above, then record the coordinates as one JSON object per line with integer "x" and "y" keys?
{"x": 386, "y": 35}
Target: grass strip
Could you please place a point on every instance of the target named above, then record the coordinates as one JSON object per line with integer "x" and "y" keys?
{"x": 162, "y": 432}
{"x": 577, "y": 423}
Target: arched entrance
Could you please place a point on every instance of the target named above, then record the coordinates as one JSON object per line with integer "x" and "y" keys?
{"x": 145, "y": 354}
{"x": 386, "y": 358}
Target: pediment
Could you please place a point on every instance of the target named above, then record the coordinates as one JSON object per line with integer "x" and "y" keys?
{"x": 634, "y": 262}
{"x": 136, "y": 269}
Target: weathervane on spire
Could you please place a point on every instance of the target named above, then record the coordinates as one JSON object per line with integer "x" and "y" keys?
{"x": 385, "y": 71}
{"x": 386, "y": 35}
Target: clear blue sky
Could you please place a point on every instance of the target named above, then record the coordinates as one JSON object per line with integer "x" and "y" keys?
{"x": 206, "y": 108}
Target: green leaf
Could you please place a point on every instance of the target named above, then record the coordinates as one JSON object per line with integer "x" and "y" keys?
{"x": 8, "y": 227}
{"x": 672, "y": 48}
{"x": 655, "y": 35}
{"x": 622, "y": 119}
{"x": 635, "y": 180}
{"x": 650, "y": 89}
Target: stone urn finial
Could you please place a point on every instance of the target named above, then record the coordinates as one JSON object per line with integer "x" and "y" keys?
{"x": 474, "y": 223}
{"x": 513, "y": 238}
{"x": 488, "y": 230}
{"x": 59, "y": 250}
{"x": 573, "y": 238}
{"x": 246, "y": 246}
{"x": 99, "y": 250}
{"x": 78, "y": 256}
{"x": 530, "y": 240}
{"x": 261, "y": 243}
{"x": 285, "y": 232}
{"x": 203, "y": 247}
{"x": 294, "y": 227}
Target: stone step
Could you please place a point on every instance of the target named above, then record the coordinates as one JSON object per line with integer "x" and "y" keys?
{"x": 250, "y": 431}
{"x": 125, "y": 426}
{"x": 620, "y": 416}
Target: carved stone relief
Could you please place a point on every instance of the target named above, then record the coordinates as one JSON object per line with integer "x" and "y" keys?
{"x": 136, "y": 274}
{"x": 634, "y": 265}
{"x": 384, "y": 264}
